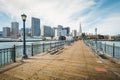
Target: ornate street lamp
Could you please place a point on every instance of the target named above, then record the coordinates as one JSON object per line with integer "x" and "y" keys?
{"x": 24, "y": 41}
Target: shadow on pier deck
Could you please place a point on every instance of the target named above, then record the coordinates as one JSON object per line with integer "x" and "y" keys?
{"x": 75, "y": 62}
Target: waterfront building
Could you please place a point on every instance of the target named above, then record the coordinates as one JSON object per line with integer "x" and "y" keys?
{"x": 27, "y": 31}
{"x": 54, "y": 28}
{"x": 52, "y": 32}
{"x": 60, "y": 27}
{"x": 14, "y": 28}
{"x": 46, "y": 31}
{"x": 74, "y": 33}
{"x": 63, "y": 33}
{"x": 6, "y": 32}
{"x": 56, "y": 32}
{"x": 60, "y": 32}
{"x": 117, "y": 37}
{"x": 68, "y": 30}
{"x": 35, "y": 26}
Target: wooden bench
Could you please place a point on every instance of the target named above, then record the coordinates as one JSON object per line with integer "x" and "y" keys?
{"x": 55, "y": 50}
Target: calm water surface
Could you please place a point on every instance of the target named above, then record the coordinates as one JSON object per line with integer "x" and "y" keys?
{"x": 117, "y": 43}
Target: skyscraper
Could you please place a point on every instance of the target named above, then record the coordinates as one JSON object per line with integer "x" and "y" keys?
{"x": 35, "y": 26}
{"x": 46, "y": 31}
{"x": 60, "y": 27}
{"x": 68, "y": 30}
{"x": 14, "y": 28}
{"x": 80, "y": 30}
{"x": 6, "y": 31}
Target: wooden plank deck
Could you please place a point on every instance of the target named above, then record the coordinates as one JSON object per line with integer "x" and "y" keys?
{"x": 75, "y": 62}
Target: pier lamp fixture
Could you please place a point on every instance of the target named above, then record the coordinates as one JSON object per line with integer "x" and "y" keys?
{"x": 96, "y": 37}
{"x": 24, "y": 41}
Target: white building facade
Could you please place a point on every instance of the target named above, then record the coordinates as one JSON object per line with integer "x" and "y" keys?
{"x": 74, "y": 33}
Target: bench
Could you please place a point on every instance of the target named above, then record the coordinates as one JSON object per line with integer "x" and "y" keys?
{"x": 55, "y": 50}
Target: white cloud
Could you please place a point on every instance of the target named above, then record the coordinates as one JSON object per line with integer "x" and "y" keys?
{"x": 55, "y": 12}
{"x": 51, "y": 12}
{"x": 108, "y": 26}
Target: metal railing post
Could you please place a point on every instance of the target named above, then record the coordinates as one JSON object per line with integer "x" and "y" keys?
{"x": 7, "y": 55}
{"x": 1, "y": 58}
{"x": 4, "y": 57}
{"x": 14, "y": 54}
{"x": 32, "y": 49}
{"x": 113, "y": 49}
{"x": 50, "y": 45}
{"x": 43, "y": 47}
{"x": 55, "y": 44}
{"x": 105, "y": 47}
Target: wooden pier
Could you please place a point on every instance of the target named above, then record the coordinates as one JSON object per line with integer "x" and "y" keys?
{"x": 74, "y": 62}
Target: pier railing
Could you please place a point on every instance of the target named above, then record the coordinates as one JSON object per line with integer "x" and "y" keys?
{"x": 9, "y": 55}
{"x": 112, "y": 50}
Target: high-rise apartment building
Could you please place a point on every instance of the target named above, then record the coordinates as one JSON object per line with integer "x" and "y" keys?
{"x": 67, "y": 29}
{"x": 60, "y": 31}
{"x": 46, "y": 31}
{"x": 35, "y": 26}
{"x": 14, "y": 28}
{"x": 60, "y": 27}
{"x": 6, "y": 32}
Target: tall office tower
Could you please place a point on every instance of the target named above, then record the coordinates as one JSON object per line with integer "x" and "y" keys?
{"x": 74, "y": 33}
{"x": 35, "y": 27}
{"x": 59, "y": 30}
{"x": 60, "y": 27}
{"x": 6, "y": 32}
{"x": 80, "y": 30}
{"x": 14, "y": 28}
{"x": 68, "y": 30}
{"x": 46, "y": 31}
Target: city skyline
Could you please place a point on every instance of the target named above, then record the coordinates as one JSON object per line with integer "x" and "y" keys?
{"x": 100, "y": 14}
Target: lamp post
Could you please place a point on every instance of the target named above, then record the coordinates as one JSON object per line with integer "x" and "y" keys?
{"x": 24, "y": 41}
{"x": 96, "y": 37}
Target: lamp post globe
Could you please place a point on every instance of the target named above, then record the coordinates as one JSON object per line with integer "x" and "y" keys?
{"x": 24, "y": 40}
{"x": 23, "y": 17}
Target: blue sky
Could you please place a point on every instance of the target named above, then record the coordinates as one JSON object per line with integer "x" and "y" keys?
{"x": 101, "y": 14}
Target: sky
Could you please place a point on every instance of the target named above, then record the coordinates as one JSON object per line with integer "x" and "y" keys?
{"x": 101, "y": 14}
